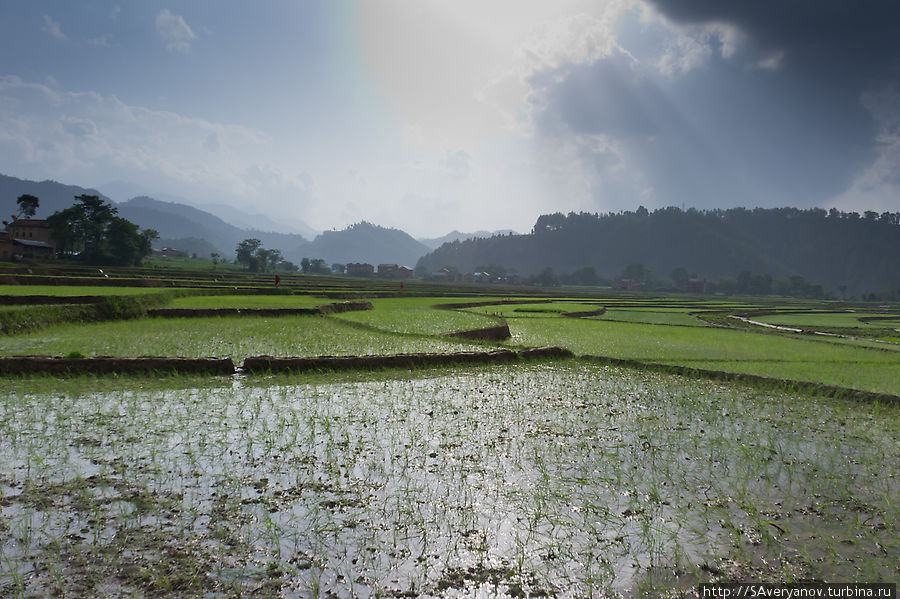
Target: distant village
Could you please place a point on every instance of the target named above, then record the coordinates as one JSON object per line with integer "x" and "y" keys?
{"x": 30, "y": 239}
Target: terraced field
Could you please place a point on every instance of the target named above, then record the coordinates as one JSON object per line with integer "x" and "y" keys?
{"x": 560, "y": 477}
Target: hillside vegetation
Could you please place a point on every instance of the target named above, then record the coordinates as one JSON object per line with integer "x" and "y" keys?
{"x": 833, "y": 248}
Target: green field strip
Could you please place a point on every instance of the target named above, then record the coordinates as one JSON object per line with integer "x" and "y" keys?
{"x": 235, "y": 337}
{"x": 733, "y": 350}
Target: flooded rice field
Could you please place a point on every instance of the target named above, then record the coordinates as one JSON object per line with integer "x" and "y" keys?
{"x": 561, "y": 479}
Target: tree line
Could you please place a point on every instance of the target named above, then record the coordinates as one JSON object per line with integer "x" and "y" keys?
{"x": 834, "y": 249}
{"x": 91, "y": 231}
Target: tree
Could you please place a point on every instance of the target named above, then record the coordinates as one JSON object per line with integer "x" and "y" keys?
{"x": 125, "y": 244}
{"x": 267, "y": 259}
{"x": 245, "y": 251}
{"x": 317, "y": 265}
{"x": 547, "y": 278}
{"x": 636, "y": 272}
{"x": 256, "y": 258}
{"x": 91, "y": 231}
{"x": 28, "y": 205}
{"x": 679, "y": 276}
{"x": 95, "y": 215}
{"x": 586, "y": 275}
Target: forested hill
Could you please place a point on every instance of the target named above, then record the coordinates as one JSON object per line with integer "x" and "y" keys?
{"x": 830, "y": 248}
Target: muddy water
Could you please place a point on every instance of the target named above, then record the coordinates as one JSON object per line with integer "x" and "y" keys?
{"x": 563, "y": 480}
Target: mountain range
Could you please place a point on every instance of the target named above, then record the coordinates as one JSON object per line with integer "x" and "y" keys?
{"x": 200, "y": 231}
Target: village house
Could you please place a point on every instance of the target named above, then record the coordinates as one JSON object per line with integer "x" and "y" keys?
{"x": 26, "y": 238}
{"x": 695, "y": 286}
{"x": 394, "y": 271}
{"x": 387, "y": 270}
{"x": 170, "y": 253}
{"x": 360, "y": 269}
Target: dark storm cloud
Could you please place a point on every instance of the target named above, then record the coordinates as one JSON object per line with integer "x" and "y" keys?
{"x": 728, "y": 132}
{"x": 860, "y": 39}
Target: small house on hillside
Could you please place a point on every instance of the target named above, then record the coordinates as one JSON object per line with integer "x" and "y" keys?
{"x": 26, "y": 238}
{"x": 387, "y": 270}
{"x": 30, "y": 228}
{"x": 695, "y": 286}
{"x": 171, "y": 253}
{"x": 360, "y": 269}
{"x": 626, "y": 285}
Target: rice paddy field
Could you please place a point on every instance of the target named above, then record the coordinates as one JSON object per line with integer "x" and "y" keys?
{"x": 73, "y": 290}
{"x": 555, "y": 478}
{"x": 222, "y": 337}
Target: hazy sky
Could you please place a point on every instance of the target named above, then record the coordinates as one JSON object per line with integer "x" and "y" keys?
{"x": 431, "y": 115}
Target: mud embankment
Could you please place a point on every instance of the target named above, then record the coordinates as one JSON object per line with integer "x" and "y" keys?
{"x": 74, "y": 366}
{"x": 496, "y": 333}
{"x": 490, "y": 303}
{"x": 18, "y": 365}
{"x": 206, "y": 312}
{"x": 584, "y": 314}
{"x": 265, "y": 364}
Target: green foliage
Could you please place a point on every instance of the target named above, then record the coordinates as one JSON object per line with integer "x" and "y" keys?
{"x": 680, "y": 277}
{"x": 314, "y": 266}
{"x": 831, "y": 249}
{"x": 245, "y": 254}
{"x": 256, "y": 258}
{"x": 28, "y": 205}
{"x": 586, "y": 276}
{"x": 92, "y": 233}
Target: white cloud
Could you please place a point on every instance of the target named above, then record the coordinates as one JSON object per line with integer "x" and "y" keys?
{"x": 100, "y": 40}
{"x": 771, "y": 62}
{"x": 78, "y": 127}
{"x": 877, "y": 187}
{"x": 571, "y": 39}
{"x": 89, "y": 138}
{"x": 212, "y": 142}
{"x": 176, "y": 33}
{"x": 685, "y": 53}
{"x": 88, "y": 133}
{"x": 456, "y": 164}
{"x": 52, "y": 27}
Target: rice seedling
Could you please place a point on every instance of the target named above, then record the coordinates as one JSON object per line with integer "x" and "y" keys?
{"x": 250, "y": 301}
{"x": 719, "y": 349}
{"x": 555, "y": 478}
{"x": 74, "y": 290}
{"x": 237, "y": 337}
{"x": 417, "y": 316}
